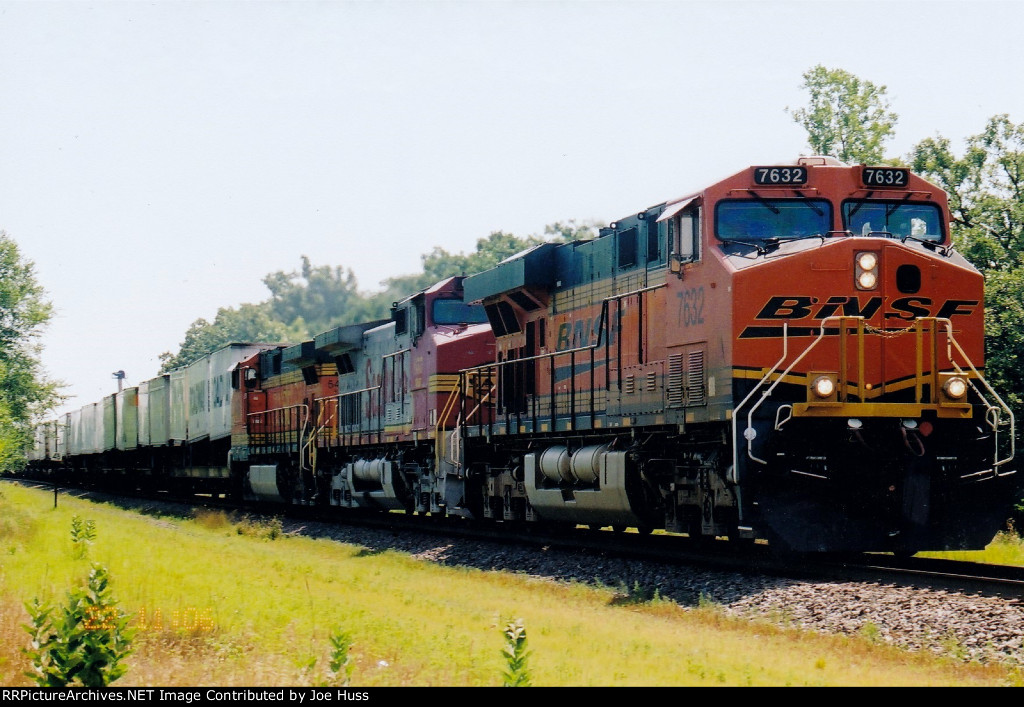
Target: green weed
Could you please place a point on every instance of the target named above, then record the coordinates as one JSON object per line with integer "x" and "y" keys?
{"x": 516, "y": 674}
{"x": 871, "y": 632}
{"x": 83, "y": 534}
{"x": 270, "y": 529}
{"x": 82, "y": 643}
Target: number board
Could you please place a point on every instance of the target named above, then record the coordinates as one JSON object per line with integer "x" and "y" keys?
{"x": 780, "y": 175}
{"x": 884, "y": 177}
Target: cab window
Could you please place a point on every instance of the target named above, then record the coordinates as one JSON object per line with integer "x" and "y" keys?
{"x": 893, "y": 219}
{"x": 766, "y": 219}
{"x": 455, "y": 311}
{"x": 685, "y": 234}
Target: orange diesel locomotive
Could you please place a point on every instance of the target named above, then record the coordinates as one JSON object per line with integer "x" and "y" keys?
{"x": 793, "y": 353}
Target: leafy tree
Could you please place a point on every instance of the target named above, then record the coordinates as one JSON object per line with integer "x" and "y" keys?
{"x": 986, "y": 190}
{"x": 1004, "y": 342}
{"x": 986, "y": 195}
{"x": 439, "y": 264}
{"x": 24, "y": 390}
{"x": 321, "y": 297}
{"x": 847, "y": 117}
{"x": 247, "y": 323}
{"x": 570, "y": 231}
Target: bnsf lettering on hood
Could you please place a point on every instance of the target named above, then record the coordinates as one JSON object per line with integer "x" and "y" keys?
{"x": 908, "y": 308}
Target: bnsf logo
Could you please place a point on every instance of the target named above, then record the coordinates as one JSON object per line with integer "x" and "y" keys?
{"x": 801, "y": 307}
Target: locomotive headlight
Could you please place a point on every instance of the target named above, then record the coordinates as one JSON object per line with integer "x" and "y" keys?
{"x": 867, "y": 280}
{"x": 867, "y": 261}
{"x": 866, "y": 270}
{"x": 822, "y": 387}
{"x": 952, "y": 389}
{"x": 955, "y": 387}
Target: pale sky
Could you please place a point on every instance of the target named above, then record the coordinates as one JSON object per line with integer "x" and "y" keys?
{"x": 158, "y": 159}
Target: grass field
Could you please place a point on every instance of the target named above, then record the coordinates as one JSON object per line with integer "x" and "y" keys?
{"x": 218, "y": 602}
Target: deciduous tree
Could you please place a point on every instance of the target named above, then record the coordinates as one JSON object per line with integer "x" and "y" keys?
{"x": 986, "y": 190}
{"x": 24, "y": 389}
{"x": 847, "y": 117}
{"x": 986, "y": 195}
{"x": 247, "y": 323}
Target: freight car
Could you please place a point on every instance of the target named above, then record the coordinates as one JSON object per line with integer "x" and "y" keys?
{"x": 793, "y": 353}
{"x": 172, "y": 432}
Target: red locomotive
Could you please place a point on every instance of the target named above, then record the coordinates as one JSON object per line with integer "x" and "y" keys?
{"x": 794, "y": 353}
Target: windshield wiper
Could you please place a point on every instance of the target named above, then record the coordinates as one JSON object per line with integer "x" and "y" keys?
{"x": 928, "y": 243}
{"x": 764, "y": 202}
{"x": 891, "y": 210}
{"x": 790, "y": 239}
{"x": 857, "y": 206}
{"x": 808, "y": 203}
{"x": 761, "y": 250}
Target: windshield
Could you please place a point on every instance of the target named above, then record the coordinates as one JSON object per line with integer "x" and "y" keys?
{"x": 900, "y": 219}
{"x": 455, "y": 311}
{"x": 763, "y": 219}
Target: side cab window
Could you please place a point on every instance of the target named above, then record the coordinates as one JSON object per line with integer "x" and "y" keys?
{"x": 410, "y": 318}
{"x": 685, "y": 237}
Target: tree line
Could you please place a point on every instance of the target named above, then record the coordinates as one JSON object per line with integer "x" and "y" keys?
{"x": 845, "y": 117}
{"x": 315, "y": 298}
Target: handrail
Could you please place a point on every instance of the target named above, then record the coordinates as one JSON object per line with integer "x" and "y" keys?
{"x": 993, "y": 417}
{"x": 750, "y": 433}
{"x": 305, "y": 409}
{"x": 351, "y": 393}
{"x": 775, "y": 367}
{"x": 278, "y": 439}
{"x": 453, "y": 397}
{"x": 456, "y": 436}
{"x": 994, "y": 424}
{"x": 602, "y": 340}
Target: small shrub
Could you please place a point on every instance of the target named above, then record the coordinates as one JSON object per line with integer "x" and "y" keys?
{"x": 340, "y": 664}
{"x": 212, "y": 519}
{"x": 83, "y": 534}
{"x": 82, "y": 643}
{"x": 515, "y": 655}
{"x": 706, "y": 601}
{"x": 953, "y": 647}
{"x": 270, "y": 529}
{"x": 638, "y": 595}
{"x": 871, "y": 632}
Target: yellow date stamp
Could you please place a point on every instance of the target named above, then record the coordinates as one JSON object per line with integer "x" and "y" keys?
{"x": 100, "y": 618}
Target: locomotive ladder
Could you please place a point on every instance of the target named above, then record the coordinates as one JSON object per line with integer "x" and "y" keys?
{"x": 284, "y": 431}
{"x": 448, "y": 448}
{"x": 995, "y": 408}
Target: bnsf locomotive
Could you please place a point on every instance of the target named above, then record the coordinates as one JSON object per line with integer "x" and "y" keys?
{"x": 793, "y": 353}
